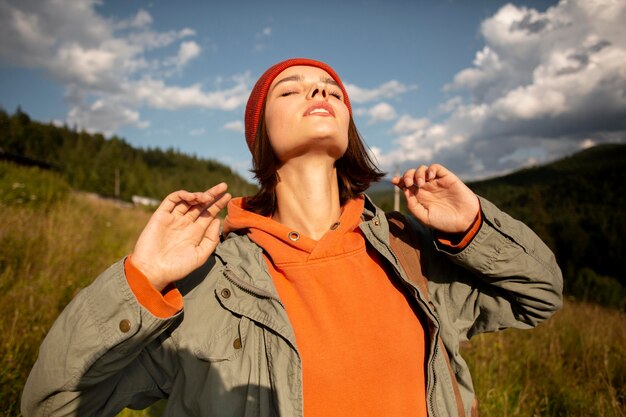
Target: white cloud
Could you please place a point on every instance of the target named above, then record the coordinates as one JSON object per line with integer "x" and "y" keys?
{"x": 93, "y": 68}
{"x": 544, "y": 85}
{"x": 197, "y": 132}
{"x": 487, "y": 65}
{"x": 188, "y": 51}
{"x": 158, "y": 95}
{"x": 141, "y": 20}
{"x": 104, "y": 63}
{"x": 235, "y": 126}
{"x": 261, "y": 37}
{"x": 587, "y": 143}
{"x": 265, "y": 32}
{"x": 104, "y": 118}
{"x": 451, "y": 105}
{"x": 381, "y": 112}
{"x": 390, "y": 89}
{"x": 407, "y": 124}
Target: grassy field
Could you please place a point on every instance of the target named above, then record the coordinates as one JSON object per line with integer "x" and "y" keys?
{"x": 54, "y": 242}
{"x": 572, "y": 365}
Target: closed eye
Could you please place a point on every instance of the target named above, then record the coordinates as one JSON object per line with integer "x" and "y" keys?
{"x": 336, "y": 94}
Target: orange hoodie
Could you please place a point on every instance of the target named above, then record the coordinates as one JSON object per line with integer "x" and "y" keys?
{"x": 362, "y": 345}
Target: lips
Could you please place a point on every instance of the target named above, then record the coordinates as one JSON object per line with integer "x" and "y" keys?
{"x": 320, "y": 109}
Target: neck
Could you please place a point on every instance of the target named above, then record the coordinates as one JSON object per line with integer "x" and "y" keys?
{"x": 307, "y": 195}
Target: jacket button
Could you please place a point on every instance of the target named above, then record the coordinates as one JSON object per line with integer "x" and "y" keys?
{"x": 497, "y": 222}
{"x": 125, "y": 326}
{"x": 225, "y": 293}
{"x": 376, "y": 222}
{"x": 237, "y": 343}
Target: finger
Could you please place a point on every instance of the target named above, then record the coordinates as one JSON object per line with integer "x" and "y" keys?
{"x": 195, "y": 210}
{"x": 175, "y": 199}
{"x": 210, "y": 213}
{"x": 213, "y": 193}
{"x": 420, "y": 176}
{"x": 415, "y": 207}
{"x": 211, "y": 238}
{"x": 435, "y": 171}
{"x": 398, "y": 181}
{"x": 407, "y": 178}
{"x": 170, "y": 201}
{"x": 217, "y": 189}
{"x": 217, "y": 206}
{"x": 191, "y": 204}
{"x": 206, "y": 201}
{"x": 181, "y": 201}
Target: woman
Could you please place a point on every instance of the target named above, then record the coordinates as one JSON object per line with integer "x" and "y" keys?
{"x": 303, "y": 307}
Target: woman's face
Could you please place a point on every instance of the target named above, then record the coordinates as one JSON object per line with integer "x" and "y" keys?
{"x": 305, "y": 113}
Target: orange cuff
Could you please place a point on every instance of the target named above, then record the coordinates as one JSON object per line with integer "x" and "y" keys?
{"x": 162, "y": 305}
{"x": 458, "y": 241}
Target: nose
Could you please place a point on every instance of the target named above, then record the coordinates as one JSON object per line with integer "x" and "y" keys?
{"x": 318, "y": 90}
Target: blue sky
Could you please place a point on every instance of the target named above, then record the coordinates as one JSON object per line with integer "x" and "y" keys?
{"x": 484, "y": 87}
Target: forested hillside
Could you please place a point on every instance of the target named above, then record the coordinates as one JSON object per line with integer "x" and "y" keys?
{"x": 90, "y": 162}
{"x": 578, "y": 207}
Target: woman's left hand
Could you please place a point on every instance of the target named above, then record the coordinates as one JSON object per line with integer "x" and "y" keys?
{"x": 438, "y": 198}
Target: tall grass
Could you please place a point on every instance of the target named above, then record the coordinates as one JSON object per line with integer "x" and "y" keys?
{"x": 54, "y": 242}
{"x": 571, "y": 365}
{"x": 49, "y": 248}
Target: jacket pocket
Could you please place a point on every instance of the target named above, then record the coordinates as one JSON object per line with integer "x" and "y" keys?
{"x": 225, "y": 345}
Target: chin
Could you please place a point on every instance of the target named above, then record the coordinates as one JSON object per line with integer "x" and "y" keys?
{"x": 333, "y": 144}
{"x": 336, "y": 151}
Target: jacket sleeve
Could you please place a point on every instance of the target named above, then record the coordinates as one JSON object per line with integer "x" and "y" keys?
{"x": 102, "y": 354}
{"x": 505, "y": 277}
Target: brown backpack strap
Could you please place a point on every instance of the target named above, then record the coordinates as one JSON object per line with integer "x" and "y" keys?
{"x": 407, "y": 248}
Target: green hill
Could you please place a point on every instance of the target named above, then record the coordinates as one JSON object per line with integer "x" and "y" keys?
{"x": 577, "y": 205}
{"x": 110, "y": 167}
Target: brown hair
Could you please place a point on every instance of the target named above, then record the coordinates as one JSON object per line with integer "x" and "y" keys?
{"x": 355, "y": 170}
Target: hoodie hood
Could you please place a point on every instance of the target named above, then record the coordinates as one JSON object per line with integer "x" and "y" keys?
{"x": 287, "y": 246}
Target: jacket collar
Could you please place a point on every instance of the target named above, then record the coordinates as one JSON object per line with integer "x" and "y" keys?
{"x": 242, "y": 256}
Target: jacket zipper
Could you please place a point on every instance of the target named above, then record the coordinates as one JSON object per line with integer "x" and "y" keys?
{"x": 254, "y": 291}
{"x": 426, "y": 308}
{"x": 247, "y": 288}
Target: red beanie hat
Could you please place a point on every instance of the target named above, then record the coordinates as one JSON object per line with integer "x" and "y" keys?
{"x": 259, "y": 92}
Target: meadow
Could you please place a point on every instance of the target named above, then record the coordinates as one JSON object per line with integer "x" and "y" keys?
{"x": 54, "y": 241}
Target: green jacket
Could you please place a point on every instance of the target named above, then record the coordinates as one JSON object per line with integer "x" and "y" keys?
{"x": 232, "y": 350}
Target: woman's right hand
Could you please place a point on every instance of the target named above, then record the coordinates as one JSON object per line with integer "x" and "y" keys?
{"x": 180, "y": 236}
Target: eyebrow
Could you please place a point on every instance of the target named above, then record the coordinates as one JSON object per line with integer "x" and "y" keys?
{"x": 323, "y": 79}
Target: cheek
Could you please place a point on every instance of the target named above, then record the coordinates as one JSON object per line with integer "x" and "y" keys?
{"x": 277, "y": 132}
{"x": 344, "y": 126}
{"x": 344, "y": 115}
{"x": 278, "y": 113}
